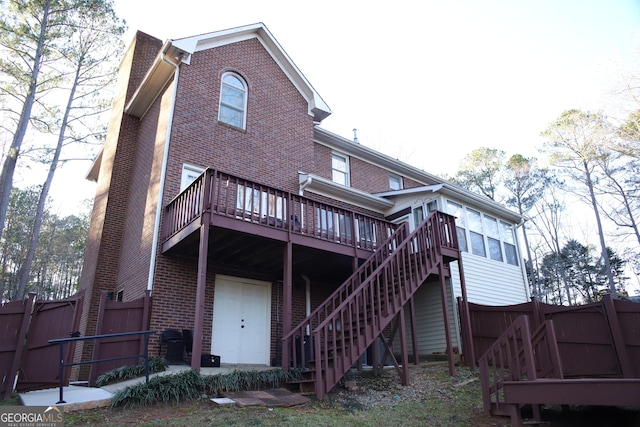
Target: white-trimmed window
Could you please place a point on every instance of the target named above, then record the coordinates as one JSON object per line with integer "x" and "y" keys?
{"x": 486, "y": 235}
{"x": 456, "y": 210}
{"x": 257, "y": 202}
{"x": 493, "y": 237}
{"x": 395, "y": 181}
{"x": 233, "y": 100}
{"x": 506, "y": 232}
{"x": 476, "y": 237}
{"x": 340, "y": 168}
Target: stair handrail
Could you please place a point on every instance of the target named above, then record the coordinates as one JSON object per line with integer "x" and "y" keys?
{"x": 353, "y": 281}
{"x": 435, "y": 249}
{"x": 510, "y": 358}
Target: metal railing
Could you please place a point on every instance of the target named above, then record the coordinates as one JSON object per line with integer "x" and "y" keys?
{"x": 62, "y": 341}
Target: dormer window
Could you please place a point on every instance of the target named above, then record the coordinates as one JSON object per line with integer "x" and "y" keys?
{"x": 340, "y": 168}
{"x": 233, "y": 101}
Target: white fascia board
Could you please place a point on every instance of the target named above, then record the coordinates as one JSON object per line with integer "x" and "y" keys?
{"x": 94, "y": 170}
{"x": 481, "y": 202}
{"x": 405, "y": 191}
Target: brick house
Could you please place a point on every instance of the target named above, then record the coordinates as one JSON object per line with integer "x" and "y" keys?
{"x": 270, "y": 238}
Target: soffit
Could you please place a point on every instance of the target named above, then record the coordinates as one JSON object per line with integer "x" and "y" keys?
{"x": 155, "y": 80}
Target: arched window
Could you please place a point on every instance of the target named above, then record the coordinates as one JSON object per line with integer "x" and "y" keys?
{"x": 233, "y": 100}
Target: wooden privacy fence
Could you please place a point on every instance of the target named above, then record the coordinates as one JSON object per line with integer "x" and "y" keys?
{"x": 25, "y": 328}
{"x": 601, "y": 339}
{"x": 117, "y": 317}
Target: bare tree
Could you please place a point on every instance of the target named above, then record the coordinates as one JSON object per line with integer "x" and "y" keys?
{"x": 525, "y": 183}
{"x": 547, "y": 219}
{"x": 89, "y": 55}
{"x": 29, "y": 31}
{"x": 577, "y": 141}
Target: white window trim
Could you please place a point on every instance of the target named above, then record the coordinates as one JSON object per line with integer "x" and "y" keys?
{"x": 485, "y": 236}
{"x": 245, "y": 100}
{"x": 188, "y": 170}
{"x": 398, "y": 178}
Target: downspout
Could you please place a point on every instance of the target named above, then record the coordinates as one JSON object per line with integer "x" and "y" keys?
{"x": 307, "y": 298}
{"x": 163, "y": 173}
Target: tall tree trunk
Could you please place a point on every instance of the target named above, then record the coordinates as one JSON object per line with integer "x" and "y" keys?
{"x": 603, "y": 246}
{"x": 9, "y": 165}
{"x": 37, "y": 223}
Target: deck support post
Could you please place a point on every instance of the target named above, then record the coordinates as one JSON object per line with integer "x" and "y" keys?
{"x": 414, "y": 335}
{"x": 404, "y": 377}
{"x": 287, "y": 300}
{"x": 469, "y": 353}
{"x": 201, "y": 286}
{"x": 445, "y": 314}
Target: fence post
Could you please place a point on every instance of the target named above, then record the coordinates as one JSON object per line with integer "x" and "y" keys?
{"x": 619, "y": 345}
{"x": 146, "y": 357}
{"x": 61, "y": 373}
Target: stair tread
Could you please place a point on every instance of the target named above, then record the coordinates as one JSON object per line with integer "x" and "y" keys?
{"x": 303, "y": 381}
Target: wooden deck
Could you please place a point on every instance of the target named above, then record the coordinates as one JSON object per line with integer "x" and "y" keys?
{"x": 256, "y": 209}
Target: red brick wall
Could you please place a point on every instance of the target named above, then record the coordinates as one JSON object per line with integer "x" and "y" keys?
{"x": 139, "y": 228}
{"x": 104, "y": 243}
{"x": 363, "y": 176}
{"x": 277, "y": 141}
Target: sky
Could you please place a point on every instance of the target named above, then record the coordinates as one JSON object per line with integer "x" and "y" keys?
{"x": 426, "y": 82}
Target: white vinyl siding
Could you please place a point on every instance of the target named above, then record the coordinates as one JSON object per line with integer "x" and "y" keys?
{"x": 490, "y": 283}
{"x": 430, "y": 321}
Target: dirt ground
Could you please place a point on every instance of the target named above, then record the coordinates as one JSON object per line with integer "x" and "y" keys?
{"x": 433, "y": 398}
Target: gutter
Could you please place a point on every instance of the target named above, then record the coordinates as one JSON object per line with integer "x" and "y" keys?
{"x": 163, "y": 173}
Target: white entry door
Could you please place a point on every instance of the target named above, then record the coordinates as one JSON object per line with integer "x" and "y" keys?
{"x": 241, "y": 330}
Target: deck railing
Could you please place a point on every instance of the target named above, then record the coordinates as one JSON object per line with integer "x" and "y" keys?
{"x": 231, "y": 196}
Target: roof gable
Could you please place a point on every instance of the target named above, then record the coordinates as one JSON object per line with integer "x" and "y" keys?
{"x": 317, "y": 107}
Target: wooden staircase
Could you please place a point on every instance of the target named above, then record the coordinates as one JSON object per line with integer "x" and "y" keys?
{"x": 327, "y": 343}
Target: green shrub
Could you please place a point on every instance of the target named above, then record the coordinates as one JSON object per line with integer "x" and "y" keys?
{"x": 190, "y": 385}
{"x": 156, "y": 364}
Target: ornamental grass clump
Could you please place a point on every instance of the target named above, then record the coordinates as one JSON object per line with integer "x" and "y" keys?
{"x": 191, "y": 385}
{"x": 156, "y": 364}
